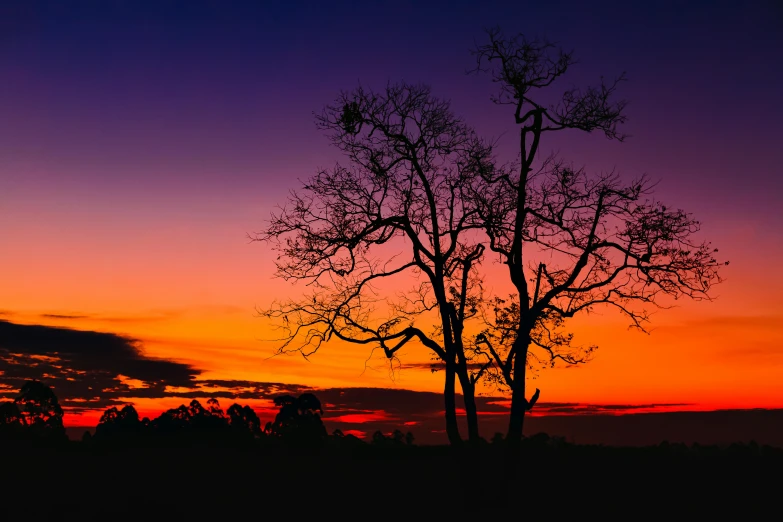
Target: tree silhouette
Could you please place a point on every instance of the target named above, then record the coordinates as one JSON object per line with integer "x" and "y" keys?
{"x": 346, "y": 441}
{"x": 299, "y": 420}
{"x": 420, "y": 182}
{"x": 119, "y": 423}
{"x": 397, "y": 438}
{"x": 175, "y": 422}
{"x": 193, "y": 422}
{"x": 379, "y": 438}
{"x": 607, "y": 243}
{"x": 412, "y": 163}
{"x": 209, "y": 421}
{"x": 244, "y": 421}
{"x": 12, "y": 422}
{"x": 214, "y": 409}
{"x": 41, "y": 411}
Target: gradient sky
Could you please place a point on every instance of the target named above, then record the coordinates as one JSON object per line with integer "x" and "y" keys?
{"x": 140, "y": 142}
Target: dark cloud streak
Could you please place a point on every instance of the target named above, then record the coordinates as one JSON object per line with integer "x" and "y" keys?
{"x": 85, "y": 365}
{"x": 94, "y": 370}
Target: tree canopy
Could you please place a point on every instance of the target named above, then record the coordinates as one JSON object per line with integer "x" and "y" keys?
{"x": 423, "y": 200}
{"x": 572, "y": 241}
{"x": 411, "y": 166}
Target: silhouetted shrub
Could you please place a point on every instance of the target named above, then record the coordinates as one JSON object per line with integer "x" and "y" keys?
{"x": 396, "y": 439}
{"x": 299, "y": 421}
{"x": 119, "y": 425}
{"x": 35, "y": 415}
{"x": 341, "y": 440}
{"x": 244, "y": 422}
{"x": 12, "y": 426}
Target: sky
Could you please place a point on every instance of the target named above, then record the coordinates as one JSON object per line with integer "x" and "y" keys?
{"x": 141, "y": 142}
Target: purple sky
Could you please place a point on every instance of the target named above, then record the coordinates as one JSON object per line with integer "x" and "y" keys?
{"x": 182, "y": 98}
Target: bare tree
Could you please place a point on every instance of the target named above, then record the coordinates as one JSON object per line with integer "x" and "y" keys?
{"x": 610, "y": 243}
{"x": 397, "y": 215}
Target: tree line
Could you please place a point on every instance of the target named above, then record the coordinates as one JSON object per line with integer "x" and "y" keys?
{"x": 36, "y": 415}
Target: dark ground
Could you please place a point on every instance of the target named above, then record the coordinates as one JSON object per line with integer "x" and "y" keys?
{"x": 372, "y": 483}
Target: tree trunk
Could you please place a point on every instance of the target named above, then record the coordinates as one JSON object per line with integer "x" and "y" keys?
{"x": 516, "y": 419}
{"x": 449, "y": 395}
{"x": 470, "y": 468}
{"x": 519, "y": 402}
{"x": 471, "y": 413}
{"x": 516, "y": 423}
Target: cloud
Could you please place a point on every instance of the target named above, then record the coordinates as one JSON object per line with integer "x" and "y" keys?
{"x": 385, "y": 409}
{"x": 150, "y": 316}
{"x": 554, "y": 408}
{"x": 733, "y": 321}
{"x": 437, "y": 366}
{"x": 94, "y": 370}
{"x": 84, "y": 364}
{"x": 637, "y": 429}
{"x": 131, "y": 319}
{"x": 399, "y": 402}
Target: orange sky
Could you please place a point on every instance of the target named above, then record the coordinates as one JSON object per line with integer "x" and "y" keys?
{"x": 136, "y": 153}
{"x": 191, "y": 296}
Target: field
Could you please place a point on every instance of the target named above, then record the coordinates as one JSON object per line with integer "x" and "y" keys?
{"x": 366, "y": 482}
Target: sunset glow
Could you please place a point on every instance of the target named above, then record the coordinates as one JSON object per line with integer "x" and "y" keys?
{"x": 136, "y": 155}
